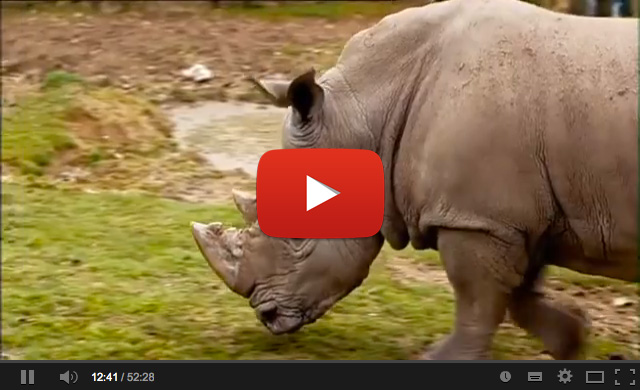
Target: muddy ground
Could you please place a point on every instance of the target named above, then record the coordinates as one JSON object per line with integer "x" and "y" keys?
{"x": 147, "y": 50}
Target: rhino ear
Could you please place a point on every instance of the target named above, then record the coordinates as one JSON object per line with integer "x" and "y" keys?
{"x": 274, "y": 90}
{"x": 305, "y": 95}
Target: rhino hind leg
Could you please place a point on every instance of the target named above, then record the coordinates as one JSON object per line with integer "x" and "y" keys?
{"x": 563, "y": 331}
{"x": 470, "y": 260}
{"x": 484, "y": 273}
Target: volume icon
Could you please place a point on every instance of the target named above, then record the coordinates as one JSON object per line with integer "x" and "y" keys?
{"x": 69, "y": 377}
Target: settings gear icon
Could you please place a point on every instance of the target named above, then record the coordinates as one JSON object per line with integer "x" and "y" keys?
{"x": 564, "y": 376}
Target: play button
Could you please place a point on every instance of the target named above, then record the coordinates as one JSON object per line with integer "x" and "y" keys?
{"x": 293, "y": 200}
{"x": 318, "y": 193}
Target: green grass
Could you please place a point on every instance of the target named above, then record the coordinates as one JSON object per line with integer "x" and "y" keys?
{"x": 59, "y": 78}
{"x": 35, "y": 131}
{"x": 118, "y": 276}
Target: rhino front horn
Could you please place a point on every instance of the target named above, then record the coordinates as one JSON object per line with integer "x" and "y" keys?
{"x": 223, "y": 252}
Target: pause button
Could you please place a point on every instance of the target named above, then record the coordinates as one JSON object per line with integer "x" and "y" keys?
{"x": 23, "y": 377}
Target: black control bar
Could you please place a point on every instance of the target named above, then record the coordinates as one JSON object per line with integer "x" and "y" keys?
{"x": 545, "y": 375}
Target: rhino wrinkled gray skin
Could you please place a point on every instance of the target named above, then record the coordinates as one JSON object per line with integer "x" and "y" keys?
{"x": 508, "y": 135}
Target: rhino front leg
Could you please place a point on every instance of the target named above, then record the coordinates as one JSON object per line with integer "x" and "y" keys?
{"x": 479, "y": 268}
{"x": 562, "y": 331}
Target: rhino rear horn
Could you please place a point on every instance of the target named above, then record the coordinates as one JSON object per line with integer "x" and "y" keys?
{"x": 247, "y": 204}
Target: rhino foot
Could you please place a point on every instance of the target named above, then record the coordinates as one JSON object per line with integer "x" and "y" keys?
{"x": 563, "y": 330}
{"x": 456, "y": 347}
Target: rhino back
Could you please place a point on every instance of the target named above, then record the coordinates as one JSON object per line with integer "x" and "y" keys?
{"x": 510, "y": 119}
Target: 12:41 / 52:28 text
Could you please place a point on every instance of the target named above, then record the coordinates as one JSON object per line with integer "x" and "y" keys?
{"x": 122, "y": 376}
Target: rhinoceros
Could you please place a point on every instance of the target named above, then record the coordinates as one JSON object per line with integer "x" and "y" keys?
{"x": 508, "y": 137}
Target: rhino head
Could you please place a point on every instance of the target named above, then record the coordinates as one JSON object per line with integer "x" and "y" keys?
{"x": 290, "y": 282}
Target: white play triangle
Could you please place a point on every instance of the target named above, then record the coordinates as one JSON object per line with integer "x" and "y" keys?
{"x": 318, "y": 193}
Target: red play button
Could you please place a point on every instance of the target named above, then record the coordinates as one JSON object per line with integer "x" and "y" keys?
{"x": 320, "y": 193}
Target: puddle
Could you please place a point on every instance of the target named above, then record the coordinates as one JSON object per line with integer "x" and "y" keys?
{"x": 230, "y": 135}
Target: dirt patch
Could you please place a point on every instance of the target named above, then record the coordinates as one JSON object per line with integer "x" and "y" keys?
{"x": 14, "y": 88}
{"x": 408, "y": 271}
{"x": 146, "y": 51}
{"x": 118, "y": 118}
{"x": 612, "y": 311}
